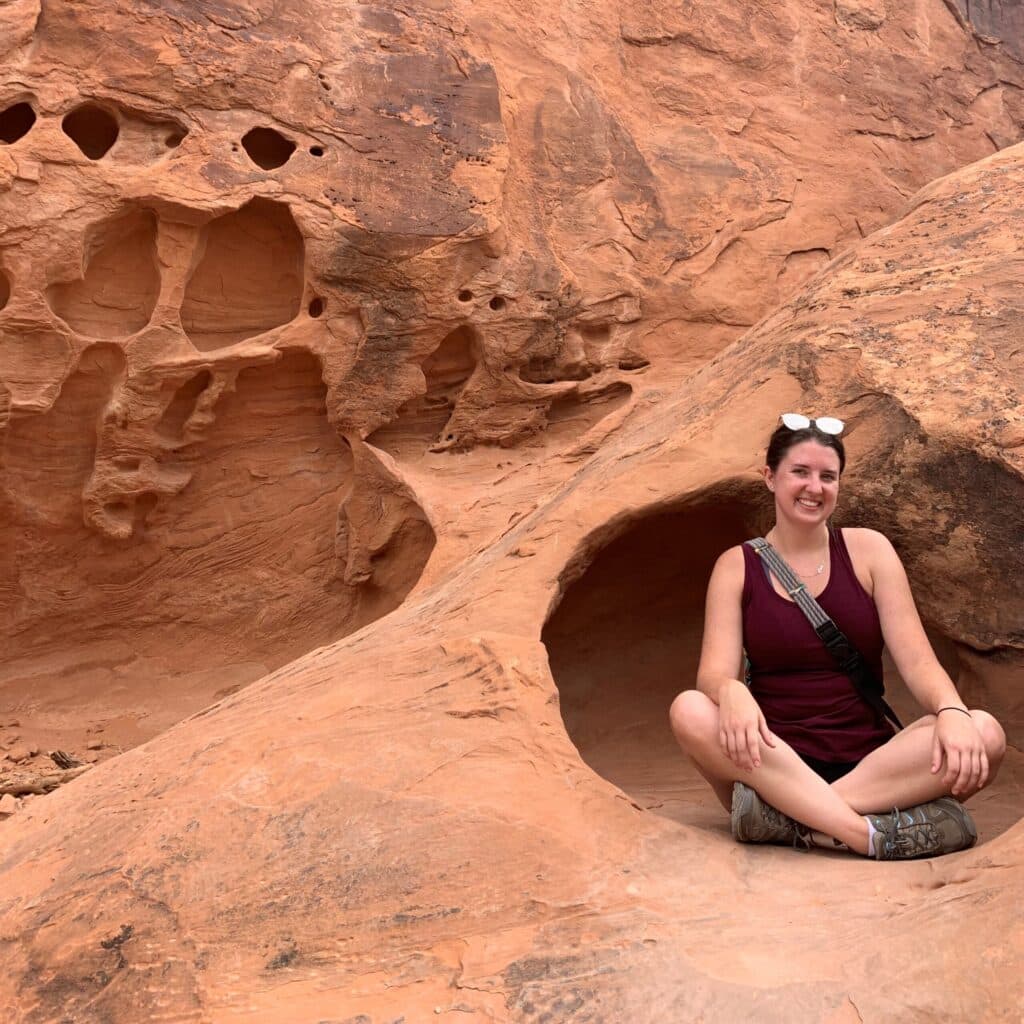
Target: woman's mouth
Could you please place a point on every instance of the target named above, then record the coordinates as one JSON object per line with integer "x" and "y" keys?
{"x": 808, "y": 503}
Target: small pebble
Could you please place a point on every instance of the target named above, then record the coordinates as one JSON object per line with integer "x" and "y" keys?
{"x": 8, "y": 805}
{"x": 17, "y": 754}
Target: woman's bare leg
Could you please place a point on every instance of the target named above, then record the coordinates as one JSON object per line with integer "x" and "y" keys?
{"x": 899, "y": 774}
{"x": 782, "y": 779}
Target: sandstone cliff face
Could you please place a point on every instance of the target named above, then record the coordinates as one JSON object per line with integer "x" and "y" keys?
{"x": 309, "y": 314}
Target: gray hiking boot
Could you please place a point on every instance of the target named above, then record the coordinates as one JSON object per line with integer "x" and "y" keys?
{"x": 754, "y": 821}
{"x": 927, "y": 830}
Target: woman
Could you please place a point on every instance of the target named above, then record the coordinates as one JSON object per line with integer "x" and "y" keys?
{"x": 800, "y": 756}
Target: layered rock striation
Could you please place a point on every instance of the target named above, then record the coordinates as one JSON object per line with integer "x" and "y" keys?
{"x": 313, "y": 314}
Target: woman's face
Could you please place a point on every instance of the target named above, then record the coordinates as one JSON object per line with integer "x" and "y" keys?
{"x": 806, "y": 484}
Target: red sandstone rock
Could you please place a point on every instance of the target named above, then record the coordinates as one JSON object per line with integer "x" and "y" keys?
{"x": 309, "y": 314}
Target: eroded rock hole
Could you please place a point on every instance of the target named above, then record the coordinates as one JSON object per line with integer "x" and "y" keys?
{"x": 497, "y": 303}
{"x": 175, "y": 138}
{"x": 92, "y": 128}
{"x": 267, "y": 148}
{"x": 465, "y": 295}
{"x": 117, "y": 294}
{"x": 316, "y": 308}
{"x": 5, "y": 290}
{"x": 16, "y": 122}
{"x": 182, "y": 405}
{"x": 250, "y": 278}
{"x": 316, "y": 150}
{"x": 446, "y": 369}
{"x": 625, "y": 639}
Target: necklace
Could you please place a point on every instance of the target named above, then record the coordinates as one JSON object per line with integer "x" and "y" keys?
{"x": 817, "y": 572}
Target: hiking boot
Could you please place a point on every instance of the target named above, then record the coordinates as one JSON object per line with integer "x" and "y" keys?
{"x": 754, "y": 821}
{"x": 927, "y": 830}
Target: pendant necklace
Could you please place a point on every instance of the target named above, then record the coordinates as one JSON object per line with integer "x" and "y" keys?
{"x": 818, "y": 571}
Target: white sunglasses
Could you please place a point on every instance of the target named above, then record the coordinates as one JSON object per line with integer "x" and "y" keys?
{"x": 826, "y": 424}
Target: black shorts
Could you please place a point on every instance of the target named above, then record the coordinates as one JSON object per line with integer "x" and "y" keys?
{"x": 829, "y": 770}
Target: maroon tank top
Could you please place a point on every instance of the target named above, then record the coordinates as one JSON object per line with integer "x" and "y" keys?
{"x": 806, "y": 700}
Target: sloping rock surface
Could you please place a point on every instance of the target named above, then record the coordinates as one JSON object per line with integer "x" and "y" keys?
{"x": 309, "y": 314}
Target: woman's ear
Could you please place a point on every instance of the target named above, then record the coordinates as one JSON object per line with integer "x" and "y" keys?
{"x": 769, "y": 478}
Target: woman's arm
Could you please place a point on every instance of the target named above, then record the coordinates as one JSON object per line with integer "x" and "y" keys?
{"x": 720, "y": 672}
{"x": 957, "y": 740}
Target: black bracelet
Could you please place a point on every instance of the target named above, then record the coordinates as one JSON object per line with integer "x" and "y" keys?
{"x": 953, "y": 708}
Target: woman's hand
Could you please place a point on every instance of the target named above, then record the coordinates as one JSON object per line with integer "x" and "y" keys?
{"x": 742, "y": 726}
{"x": 958, "y": 742}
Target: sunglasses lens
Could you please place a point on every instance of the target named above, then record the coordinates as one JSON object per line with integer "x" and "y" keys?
{"x": 829, "y": 425}
{"x": 794, "y": 421}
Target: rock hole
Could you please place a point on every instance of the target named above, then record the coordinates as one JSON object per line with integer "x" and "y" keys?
{"x": 422, "y": 419}
{"x": 16, "y": 122}
{"x": 465, "y": 295}
{"x": 175, "y": 138}
{"x": 127, "y": 464}
{"x": 92, "y": 128}
{"x": 5, "y": 290}
{"x": 625, "y": 639}
{"x": 316, "y": 308}
{"x": 547, "y": 370}
{"x": 497, "y": 303}
{"x": 267, "y": 148}
{"x": 633, "y": 362}
{"x": 182, "y": 405}
{"x": 118, "y": 292}
{"x": 316, "y": 150}
{"x": 250, "y": 278}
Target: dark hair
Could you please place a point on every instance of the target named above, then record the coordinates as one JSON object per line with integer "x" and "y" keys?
{"x": 783, "y": 439}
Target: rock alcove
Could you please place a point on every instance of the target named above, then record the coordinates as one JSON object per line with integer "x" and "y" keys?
{"x": 625, "y": 639}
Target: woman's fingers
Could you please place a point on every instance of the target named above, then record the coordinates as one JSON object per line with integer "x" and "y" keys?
{"x": 765, "y": 732}
{"x": 952, "y": 769}
{"x": 753, "y": 750}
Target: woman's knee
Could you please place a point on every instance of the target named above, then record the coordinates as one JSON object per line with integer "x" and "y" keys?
{"x": 694, "y": 718}
{"x": 992, "y": 735}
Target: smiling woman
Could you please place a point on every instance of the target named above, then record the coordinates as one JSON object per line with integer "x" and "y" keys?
{"x": 801, "y": 752}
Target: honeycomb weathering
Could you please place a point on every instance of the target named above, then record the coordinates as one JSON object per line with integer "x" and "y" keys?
{"x": 300, "y": 429}
{"x": 93, "y": 129}
{"x": 267, "y": 148}
{"x": 16, "y": 122}
{"x": 248, "y": 278}
{"x": 121, "y": 281}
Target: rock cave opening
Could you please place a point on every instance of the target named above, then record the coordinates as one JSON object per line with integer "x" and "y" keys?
{"x": 267, "y": 148}
{"x": 16, "y": 122}
{"x": 625, "y": 639}
{"x": 249, "y": 279}
{"x": 92, "y": 128}
{"x": 117, "y": 293}
{"x": 5, "y": 290}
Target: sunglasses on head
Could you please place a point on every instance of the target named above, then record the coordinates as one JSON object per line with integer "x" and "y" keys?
{"x": 826, "y": 424}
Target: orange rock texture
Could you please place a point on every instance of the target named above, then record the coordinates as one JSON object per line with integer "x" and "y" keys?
{"x": 377, "y": 386}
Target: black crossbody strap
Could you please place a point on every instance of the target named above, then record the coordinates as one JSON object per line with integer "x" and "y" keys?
{"x": 850, "y": 661}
